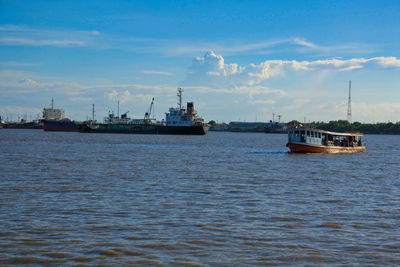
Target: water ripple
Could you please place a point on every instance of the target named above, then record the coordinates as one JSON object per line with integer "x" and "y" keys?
{"x": 220, "y": 199}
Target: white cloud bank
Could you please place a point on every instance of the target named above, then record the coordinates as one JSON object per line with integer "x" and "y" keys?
{"x": 211, "y": 70}
{"x": 127, "y": 97}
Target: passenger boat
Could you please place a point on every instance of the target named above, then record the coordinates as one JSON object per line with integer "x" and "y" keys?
{"x": 309, "y": 140}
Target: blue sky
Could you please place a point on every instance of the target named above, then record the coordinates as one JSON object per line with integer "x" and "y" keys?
{"x": 237, "y": 60}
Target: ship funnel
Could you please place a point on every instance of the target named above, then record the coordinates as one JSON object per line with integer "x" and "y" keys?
{"x": 190, "y": 108}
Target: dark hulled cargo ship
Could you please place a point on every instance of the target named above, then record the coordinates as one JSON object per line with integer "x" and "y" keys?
{"x": 178, "y": 121}
{"x": 183, "y": 121}
{"x": 54, "y": 120}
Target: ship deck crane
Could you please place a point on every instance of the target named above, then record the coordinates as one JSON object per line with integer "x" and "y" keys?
{"x": 147, "y": 115}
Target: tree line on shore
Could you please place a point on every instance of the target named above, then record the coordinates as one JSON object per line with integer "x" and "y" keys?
{"x": 333, "y": 126}
{"x": 346, "y": 126}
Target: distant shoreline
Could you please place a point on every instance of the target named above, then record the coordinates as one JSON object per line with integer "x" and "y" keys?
{"x": 384, "y": 128}
{"x": 365, "y": 128}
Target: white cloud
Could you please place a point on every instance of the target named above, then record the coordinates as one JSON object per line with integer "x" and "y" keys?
{"x": 17, "y": 64}
{"x": 262, "y": 47}
{"x": 29, "y": 83}
{"x": 157, "y": 72}
{"x": 28, "y": 36}
{"x": 387, "y": 61}
{"x": 14, "y": 75}
{"x": 12, "y": 28}
{"x": 112, "y": 95}
{"x": 23, "y": 82}
{"x": 81, "y": 99}
{"x": 378, "y": 111}
{"x": 123, "y": 97}
{"x": 257, "y": 90}
{"x": 303, "y": 42}
{"x": 33, "y": 42}
{"x": 18, "y": 110}
{"x": 127, "y": 97}
{"x": 211, "y": 70}
{"x": 296, "y": 104}
{"x": 14, "y": 35}
{"x": 262, "y": 101}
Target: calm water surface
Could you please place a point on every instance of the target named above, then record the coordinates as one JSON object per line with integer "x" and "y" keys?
{"x": 222, "y": 199}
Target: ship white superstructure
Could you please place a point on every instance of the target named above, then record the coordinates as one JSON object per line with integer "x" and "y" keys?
{"x": 180, "y": 116}
{"x": 53, "y": 113}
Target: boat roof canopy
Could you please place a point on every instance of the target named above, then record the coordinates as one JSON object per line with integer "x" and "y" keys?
{"x": 327, "y": 132}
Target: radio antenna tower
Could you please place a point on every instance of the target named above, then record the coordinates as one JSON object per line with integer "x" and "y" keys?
{"x": 349, "y": 104}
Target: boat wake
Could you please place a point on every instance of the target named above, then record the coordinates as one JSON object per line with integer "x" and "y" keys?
{"x": 268, "y": 152}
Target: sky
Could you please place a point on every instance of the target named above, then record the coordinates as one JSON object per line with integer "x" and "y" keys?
{"x": 236, "y": 60}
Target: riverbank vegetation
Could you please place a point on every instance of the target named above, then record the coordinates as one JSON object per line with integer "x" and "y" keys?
{"x": 346, "y": 126}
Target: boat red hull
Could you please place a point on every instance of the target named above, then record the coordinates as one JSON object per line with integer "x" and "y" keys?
{"x": 310, "y": 148}
{"x": 63, "y": 126}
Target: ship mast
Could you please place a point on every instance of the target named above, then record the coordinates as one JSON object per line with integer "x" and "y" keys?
{"x": 180, "y": 90}
{"x": 93, "y": 113}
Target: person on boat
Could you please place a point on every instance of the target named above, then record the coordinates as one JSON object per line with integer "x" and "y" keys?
{"x": 324, "y": 142}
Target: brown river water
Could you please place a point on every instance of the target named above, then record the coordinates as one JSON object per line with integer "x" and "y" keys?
{"x": 223, "y": 199}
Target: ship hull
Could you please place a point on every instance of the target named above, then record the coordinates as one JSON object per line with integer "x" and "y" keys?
{"x": 311, "y": 148}
{"x": 183, "y": 130}
{"x": 23, "y": 125}
{"x": 144, "y": 129}
{"x": 62, "y": 126}
{"x": 118, "y": 128}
